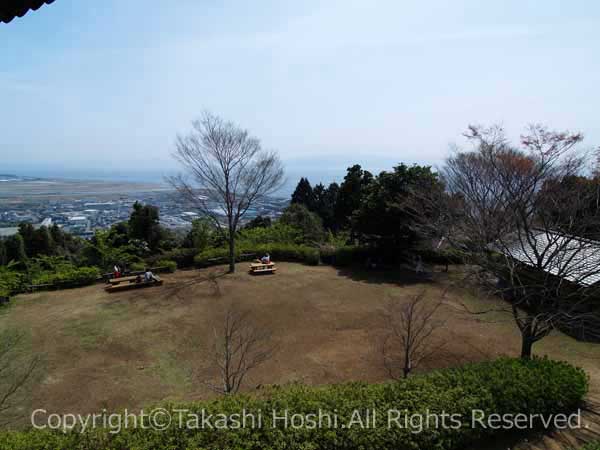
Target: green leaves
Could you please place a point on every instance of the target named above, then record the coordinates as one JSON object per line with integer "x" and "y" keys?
{"x": 505, "y": 386}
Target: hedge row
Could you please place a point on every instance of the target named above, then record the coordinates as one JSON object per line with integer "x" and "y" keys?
{"x": 278, "y": 252}
{"x": 72, "y": 277}
{"x": 505, "y": 386}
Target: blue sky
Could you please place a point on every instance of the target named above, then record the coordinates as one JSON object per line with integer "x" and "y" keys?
{"x": 106, "y": 85}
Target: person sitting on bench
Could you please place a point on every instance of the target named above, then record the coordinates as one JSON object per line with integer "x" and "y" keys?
{"x": 266, "y": 259}
{"x": 149, "y": 276}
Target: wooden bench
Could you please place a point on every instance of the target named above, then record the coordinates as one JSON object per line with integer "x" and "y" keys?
{"x": 256, "y": 268}
{"x": 133, "y": 285}
{"x": 123, "y": 279}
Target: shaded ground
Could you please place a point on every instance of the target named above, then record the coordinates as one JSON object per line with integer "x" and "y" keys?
{"x": 132, "y": 348}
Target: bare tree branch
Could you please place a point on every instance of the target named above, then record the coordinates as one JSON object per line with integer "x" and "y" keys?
{"x": 227, "y": 172}
{"x": 240, "y": 347}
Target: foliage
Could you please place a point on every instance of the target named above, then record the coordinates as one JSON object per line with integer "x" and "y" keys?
{"x": 344, "y": 255}
{"x": 182, "y": 257}
{"x": 143, "y": 224}
{"x": 68, "y": 277}
{"x": 15, "y": 248}
{"x": 201, "y": 235}
{"x": 11, "y": 282}
{"x": 303, "y": 194}
{"x": 277, "y": 251}
{"x": 351, "y": 194}
{"x": 311, "y": 226}
{"x": 278, "y": 233}
{"x": 325, "y": 200}
{"x": 259, "y": 222}
{"x": 384, "y": 217}
{"x": 170, "y": 266}
{"x": 504, "y": 386}
{"x": 591, "y": 446}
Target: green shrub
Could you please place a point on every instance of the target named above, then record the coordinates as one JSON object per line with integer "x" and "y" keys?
{"x": 168, "y": 265}
{"x": 68, "y": 277}
{"x": 183, "y": 257}
{"x": 138, "y": 266}
{"x": 446, "y": 256}
{"x": 10, "y": 282}
{"x": 278, "y": 233}
{"x": 212, "y": 256}
{"x": 287, "y": 252}
{"x": 505, "y": 386}
{"x": 591, "y": 446}
{"x": 345, "y": 255}
{"x": 278, "y": 252}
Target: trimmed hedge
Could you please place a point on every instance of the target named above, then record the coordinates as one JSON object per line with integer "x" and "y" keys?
{"x": 278, "y": 252}
{"x": 505, "y": 386}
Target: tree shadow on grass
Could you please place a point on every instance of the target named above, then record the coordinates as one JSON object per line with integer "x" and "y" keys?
{"x": 171, "y": 290}
{"x": 400, "y": 276}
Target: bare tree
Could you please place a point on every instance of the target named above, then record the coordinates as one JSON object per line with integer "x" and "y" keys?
{"x": 239, "y": 348}
{"x": 16, "y": 371}
{"x": 227, "y": 172}
{"x": 521, "y": 222}
{"x": 411, "y": 330}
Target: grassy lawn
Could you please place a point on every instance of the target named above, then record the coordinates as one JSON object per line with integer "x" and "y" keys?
{"x": 132, "y": 348}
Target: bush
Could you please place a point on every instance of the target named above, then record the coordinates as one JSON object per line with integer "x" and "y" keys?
{"x": 182, "y": 257}
{"x": 278, "y": 252}
{"x": 345, "y": 255}
{"x": 214, "y": 256}
{"x": 137, "y": 266}
{"x": 168, "y": 265}
{"x": 591, "y": 446}
{"x": 505, "y": 386}
{"x": 287, "y": 252}
{"x": 278, "y": 233}
{"x": 68, "y": 277}
{"x": 10, "y": 282}
{"x": 446, "y": 256}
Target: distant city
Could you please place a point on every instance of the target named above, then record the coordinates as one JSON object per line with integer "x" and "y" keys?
{"x": 82, "y": 207}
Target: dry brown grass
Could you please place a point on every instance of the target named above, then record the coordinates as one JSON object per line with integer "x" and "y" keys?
{"x": 133, "y": 348}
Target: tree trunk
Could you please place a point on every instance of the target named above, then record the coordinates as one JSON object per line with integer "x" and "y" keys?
{"x": 231, "y": 253}
{"x": 527, "y": 342}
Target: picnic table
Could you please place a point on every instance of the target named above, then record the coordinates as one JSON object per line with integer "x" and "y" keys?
{"x": 133, "y": 284}
{"x": 130, "y": 278}
{"x": 256, "y": 268}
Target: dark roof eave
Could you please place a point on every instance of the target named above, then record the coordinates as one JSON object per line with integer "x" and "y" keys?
{"x": 9, "y": 9}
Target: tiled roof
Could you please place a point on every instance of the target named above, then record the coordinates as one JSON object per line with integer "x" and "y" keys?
{"x": 9, "y": 9}
{"x": 571, "y": 258}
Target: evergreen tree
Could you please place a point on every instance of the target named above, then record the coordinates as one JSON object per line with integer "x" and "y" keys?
{"x": 325, "y": 204}
{"x": 26, "y": 231}
{"x": 3, "y": 255}
{"x": 15, "y": 248}
{"x": 351, "y": 193}
{"x": 385, "y": 217}
{"x": 304, "y": 194}
{"x": 144, "y": 224}
{"x": 308, "y": 222}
